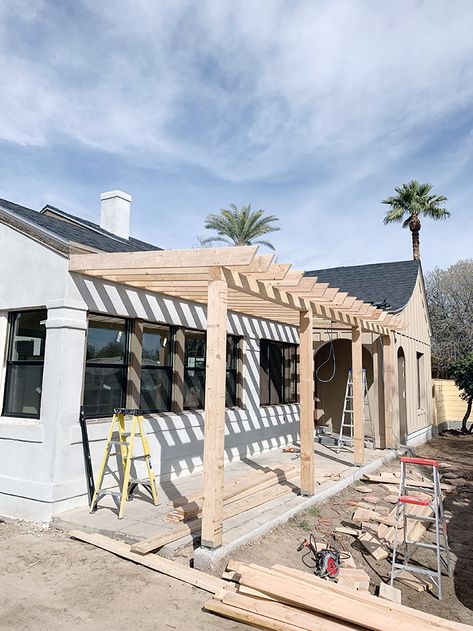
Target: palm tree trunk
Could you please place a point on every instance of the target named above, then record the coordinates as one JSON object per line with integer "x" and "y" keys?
{"x": 414, "y": 225}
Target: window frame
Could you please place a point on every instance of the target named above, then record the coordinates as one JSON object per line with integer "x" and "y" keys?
{"x": 169, "y": 369}
{"x": 421, "y": 395}
{"x": 125, "y": 366}
{"x": 14, "y": 362}
{"x": 234, "y": 371}
{"x": 200, "y": 369}
{"x": 284, "y": 383}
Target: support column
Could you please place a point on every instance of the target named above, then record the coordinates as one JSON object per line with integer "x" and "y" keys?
{"x": 306, "y": 367}
{"x": 390, "y": 390}
{"x": 133, "y": 395}
{"x": 178, "y": 371}
{"x": 214, "y": 423}
{"x": 358, "y": 396}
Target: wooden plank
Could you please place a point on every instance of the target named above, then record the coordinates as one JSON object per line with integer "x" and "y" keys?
{"x": 354, "y": 578}
{"x": 306, "y": 367}
{"x": 358, "y": 396}
{"x": 160, "y": 259}
{"x": 158, "y": 541}
{"x": 389, "y": 593}
{"x": 250, "y": 617}
{"x": 374, "y": 546}
{"x": 159, "y": 564}
{"x": 348, "y": 531}
{"x": 236, "y": 493}
{"x": 415, "y": 582}
{"x": 214, "y": 425}
{"x": 284, "y": 613}
{"x": 353, "y": 606}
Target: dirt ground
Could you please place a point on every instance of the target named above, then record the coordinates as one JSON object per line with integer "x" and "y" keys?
{"x": 280, "y": 546}
{"x": 50, "y": 581}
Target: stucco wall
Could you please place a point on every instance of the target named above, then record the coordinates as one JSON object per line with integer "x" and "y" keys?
{"x": 41, "y": 461}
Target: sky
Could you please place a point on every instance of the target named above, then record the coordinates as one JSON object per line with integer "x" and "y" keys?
{"x": 313, "y": 111}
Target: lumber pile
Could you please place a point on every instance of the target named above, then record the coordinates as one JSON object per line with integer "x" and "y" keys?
{"x": 286, "y": 599}
{"x": 189, "y": 508}
{"x": 240, "y": 497}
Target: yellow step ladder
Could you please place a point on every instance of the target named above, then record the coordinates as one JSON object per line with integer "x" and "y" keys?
{"x": 124, "y": 446}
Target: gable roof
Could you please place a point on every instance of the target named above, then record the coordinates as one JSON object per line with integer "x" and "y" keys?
{"x": 388, "y": 285}
{"x": 75, "y": 229}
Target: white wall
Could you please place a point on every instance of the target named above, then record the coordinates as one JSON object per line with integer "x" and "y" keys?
{"x": 41, "y": 461}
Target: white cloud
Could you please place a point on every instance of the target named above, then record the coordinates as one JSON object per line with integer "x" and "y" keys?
{"x": 246, "y": 90}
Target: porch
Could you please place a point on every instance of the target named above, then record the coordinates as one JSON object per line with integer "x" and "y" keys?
{"x": 142, "y": 519}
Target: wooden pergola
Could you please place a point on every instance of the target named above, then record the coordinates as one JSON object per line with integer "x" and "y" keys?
{"x": 241, "y": 280}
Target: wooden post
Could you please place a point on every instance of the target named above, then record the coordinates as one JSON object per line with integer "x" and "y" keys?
{"x": 306, "y": 367}
{"x": 177, "y": 404}
{"x": 389, "y": 378}
{"x": 133, "y": 397}
{"x": 358, "y": 396}
{"x": 214, "y": 423}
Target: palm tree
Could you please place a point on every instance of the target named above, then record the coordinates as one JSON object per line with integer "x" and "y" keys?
{"x": 414, "y": 199}
{"x": 240, "y": 226}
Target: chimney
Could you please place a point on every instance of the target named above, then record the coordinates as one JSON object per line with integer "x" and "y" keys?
{"x": 115, "y": 213}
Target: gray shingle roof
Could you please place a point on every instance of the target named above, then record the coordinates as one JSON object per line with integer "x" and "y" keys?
{"x": 82, "y": 231}
{"x": 389, "y": 285}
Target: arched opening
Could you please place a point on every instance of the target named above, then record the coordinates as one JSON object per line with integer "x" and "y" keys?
{"x": 401, "y": 375}
{"x": 331, "y": 373}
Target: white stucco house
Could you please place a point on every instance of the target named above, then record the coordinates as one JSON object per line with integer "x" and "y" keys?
{"x": 69, "y": 340}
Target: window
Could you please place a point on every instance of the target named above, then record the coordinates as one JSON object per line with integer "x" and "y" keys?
{"x": 278, "y": 373}
{"x": 420, "y": 382}
{"x": 194, "y": 369}
{"x": 25, "y": 363}
{"x": 232, "y": 364}
{"x": 106, "y": 365}
{"x": 156, "y": 369}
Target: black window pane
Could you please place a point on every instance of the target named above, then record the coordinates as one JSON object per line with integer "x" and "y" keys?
{"x": 23, "y": 390}
{"x": 155, "y": 389}
{"x": 104, "y": 390}
{"x": 230, "y": 390}
{"x": 194, "y": 388}
{"x": 28, "y": 336}
{"x": 195, "y": 349}
{"x": 106, "y": 341}
{"x": 278, "y": 373}
{"x": 156, "y": 346}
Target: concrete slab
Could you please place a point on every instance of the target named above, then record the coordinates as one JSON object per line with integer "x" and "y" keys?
{"x": 142, "y": 519}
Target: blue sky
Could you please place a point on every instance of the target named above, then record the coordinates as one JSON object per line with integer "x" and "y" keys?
{"x": 311, "y": 110}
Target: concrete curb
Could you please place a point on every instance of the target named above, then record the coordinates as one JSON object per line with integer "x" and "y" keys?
{"x": 209, "y": 560}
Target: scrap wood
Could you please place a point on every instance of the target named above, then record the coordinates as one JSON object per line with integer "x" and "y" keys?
{"x": 354, "y": 578}
{"x": 192, "y": 511}
{"x": 157, "y": 541}
{"x": 236, "y": 483}
{"x": 323, "y": 597}
{"x": 345, "y": 530}
{"x": 236, "y": 491}
{"x": 393, "y": 479}
{"x": 411, "y": 580}
{"x": 391, "y": 499}
{"x": 362, "y": 488}
{"x": 372, "y": 499}
{"x": 159, "y": 564}
{"x": 389, "y": 593}
{"x": 374, "y": 546}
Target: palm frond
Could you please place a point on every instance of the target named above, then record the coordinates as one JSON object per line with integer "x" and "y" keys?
{"x": 241, "y": 226}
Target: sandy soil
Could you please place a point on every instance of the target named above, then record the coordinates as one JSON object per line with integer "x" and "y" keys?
{"x": 280, "y": 546}
{"x": 48, "y": 581}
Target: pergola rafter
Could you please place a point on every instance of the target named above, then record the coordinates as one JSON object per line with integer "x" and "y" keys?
{"x": 242, "y": 281}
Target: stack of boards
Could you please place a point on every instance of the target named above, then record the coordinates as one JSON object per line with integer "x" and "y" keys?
{"x": 239, "y": 496}
{"x": 286, "y": 599}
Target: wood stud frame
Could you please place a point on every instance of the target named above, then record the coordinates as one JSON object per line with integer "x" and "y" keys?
{"x": 240, "y": 280}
